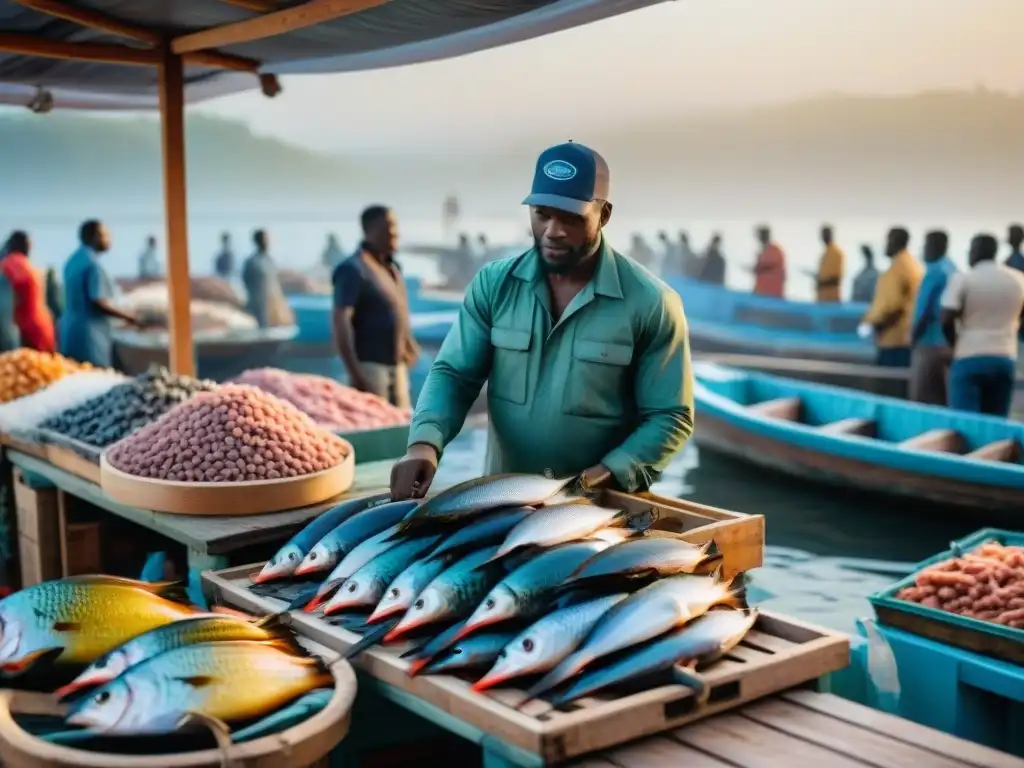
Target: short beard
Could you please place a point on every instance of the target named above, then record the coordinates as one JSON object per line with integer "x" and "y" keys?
{"x": 575, "y": 257}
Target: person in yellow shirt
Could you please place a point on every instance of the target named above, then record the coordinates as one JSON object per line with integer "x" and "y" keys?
{"x": 829, "y": 276}
{"x": 891, "y": 314}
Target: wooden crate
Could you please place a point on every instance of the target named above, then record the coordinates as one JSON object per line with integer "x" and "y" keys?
{"x": 22, "y": 445}
{"x": 73, "y": 456}
{"x": 779, "y": 653}
{"x": 38, "y": 520}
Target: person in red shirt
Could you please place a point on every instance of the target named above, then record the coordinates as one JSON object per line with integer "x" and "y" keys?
{"x": 31, "y": 314}
{"x": 770, "y": 269}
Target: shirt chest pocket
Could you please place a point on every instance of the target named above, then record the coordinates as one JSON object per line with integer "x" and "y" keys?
{"x": 599, "y": 379}
{"x": 510, "y": 365}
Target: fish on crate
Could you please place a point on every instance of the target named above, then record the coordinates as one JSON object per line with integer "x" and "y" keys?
{"x": 421, "y": 655}
{"x": 490, "y": 528}
{"x": 339, "y": 542}
{"x": 643, "y": 558}
{"x": 203, "y": 628}
{"x": 287, "y": 559}
{"x": 701, "y": 642}
{"x": 526, "y": 592}
{"x": 229, "y": 681}
{"x": 75, "y": 620}
{"x": 406, "y": 587}
{"x": 542, "y": 645}
{"x": 559, "y": 524}
{"x": 654, "y": 610}
{"x": 472, "y": 498}
{"x": 476, "y": 651}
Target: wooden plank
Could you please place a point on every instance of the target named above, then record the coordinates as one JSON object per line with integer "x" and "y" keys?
{"x": 1001, "y": 450}
{"x": 103, "y": 53}
{"x": 752, "y": 745}
{"x": 281, "y": 22}
{"x": 870, "y": 746}
{"x": 904, "y": 730}
{"x": 943, "y": 440}
{"x": 660, "y": 752}
{"x": 786, "y": 408}
{"x": 851, "y": 426}
{"x": 93, "y": 20}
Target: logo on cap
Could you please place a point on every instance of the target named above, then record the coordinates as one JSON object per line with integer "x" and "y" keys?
{"x": 559, "y": 170}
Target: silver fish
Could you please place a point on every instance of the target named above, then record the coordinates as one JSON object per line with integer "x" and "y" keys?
{"x": 546, "y": 642}
{"x": 644, "y": 557}
{"x": 472, "y": 497}
{"x": 559, "y": 524}
{"x": 491, "y": 528}
{"x": 708, "y": 638}
{"x": 352, "y": 562}
{"x": 654, "y": 610}
{"x": 330, "y": 550}
{"x": 472, "y": 652}
{"x": 401, "y": 593}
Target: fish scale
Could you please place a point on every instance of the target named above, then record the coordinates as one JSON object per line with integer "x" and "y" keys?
{"x": 558, "y": 524}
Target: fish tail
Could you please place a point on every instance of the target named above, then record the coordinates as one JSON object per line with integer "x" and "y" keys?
{"x": 374, "y": 636}
{"x": 737, "y": 598}
{"x": 275, "y": 626}
{"x": 685, "y": 676}
{"x": 642, "y": 521}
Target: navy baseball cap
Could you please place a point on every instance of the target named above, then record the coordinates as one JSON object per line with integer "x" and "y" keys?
{"x": 569, "y": 177}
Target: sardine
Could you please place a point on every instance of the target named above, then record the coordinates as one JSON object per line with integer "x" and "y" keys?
{"x": 654, "y": 556}
{"x": 203, "y": 628}
{"x": 289, "y": 556}
{"x": 230, "y": 681}
{"x": 78, "y": 619}
{"x": 545, "y": 643}
{"x": 482, "y": 532}
{"x": 706, "y": 639}
{"x": 452, "y": 595}
{"x": 401, "y": 593}
{"x": 365, "y": 587}
{"x": 654, "y": 610}
{"x": 352, "y": 562}
{"x": 333, "y": 547}
{"x": 559, "y": 524}
{"x": 471, "y": 498}
{"x": 526, "y": 592}
{"x": 474, "y": 651}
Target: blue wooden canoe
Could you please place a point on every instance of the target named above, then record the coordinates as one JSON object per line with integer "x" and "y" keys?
{"x": 861, "y": 440}
{"x": 723, "y": 320}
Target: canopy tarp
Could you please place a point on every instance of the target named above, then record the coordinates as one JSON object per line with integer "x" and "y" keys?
{"x": 385, "y": 34}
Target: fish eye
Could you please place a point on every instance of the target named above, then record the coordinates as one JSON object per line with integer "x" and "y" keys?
{"x": 394, "y": 593}
{"x": 503, "y": 654}
{"x": 419, "y": 603}
{"x": 102, "y": 663}
{"x": 456, "y": 651}
{"x": 102, "y": 697}
{"x": 292, "y": 556}
{"x": 489, "y": 602}
{"x": 352, "y": 587}
{"x": 312, "y": 555}
{"x": 527, "y": 645}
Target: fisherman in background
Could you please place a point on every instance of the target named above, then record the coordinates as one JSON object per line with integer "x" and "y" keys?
{"x": 31, "y": 315}
{"x": 265, "y": 299}
{"x": 149, "y": 264}
{"x": 371, "y": 313}
{"x": 931, "y": 355}
{"x": 669, "y": 255}
{"x": 641, "y": 252}
{"x": 710, "y": 268}
{"x": 332, "y": 255}
{"x": 891, "y": 313}
{"x": 988, "y": 303}
{"x": 828, "y": 278}
{"x": 1015, "y": 237}
{"x": 85, "y": 332}
{"x": 459, "y": 265}
{"x": 224, "y": 261}
{"x": 770, "y": 269}
{"x": 54, "y": 295}
{"x": 866, "y": 280}
{"x": 687, "y": 256}
{"x": 584, "y": 353}
{"x": 483, "y": 249}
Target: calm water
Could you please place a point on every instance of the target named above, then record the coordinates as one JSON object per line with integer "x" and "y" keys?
{"x": 827, "y": 549}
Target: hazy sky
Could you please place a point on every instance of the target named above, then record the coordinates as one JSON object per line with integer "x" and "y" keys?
{"x": 665, "y": 60}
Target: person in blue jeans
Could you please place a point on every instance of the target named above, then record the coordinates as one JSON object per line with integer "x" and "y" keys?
{"x": 931, "y": 355}
{"x": 988, "y": 304}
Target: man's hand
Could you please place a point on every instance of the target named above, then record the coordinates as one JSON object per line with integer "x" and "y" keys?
{"x": 413, "y": 473}
{"x": 595, "y": 477}
{"x": 357, "y": 380}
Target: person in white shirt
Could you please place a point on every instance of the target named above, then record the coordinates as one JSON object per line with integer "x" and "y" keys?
{"x": 988, "y": 303}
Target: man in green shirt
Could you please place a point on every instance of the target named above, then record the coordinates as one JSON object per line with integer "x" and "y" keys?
{"x": 584, "y": 352}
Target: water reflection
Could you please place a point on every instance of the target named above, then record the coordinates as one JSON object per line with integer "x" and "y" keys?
{"x": 827, "y": 548}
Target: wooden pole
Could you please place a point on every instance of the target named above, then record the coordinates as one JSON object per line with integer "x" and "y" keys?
{"x": 172, "y": 130}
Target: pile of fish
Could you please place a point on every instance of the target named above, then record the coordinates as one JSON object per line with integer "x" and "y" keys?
{"x": 152, "y": 662}
{"x": 515, "y": 576}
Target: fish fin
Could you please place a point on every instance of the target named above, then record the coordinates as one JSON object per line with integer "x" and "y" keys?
{"x": 303, "y": 597}
{"x": 685, "y": 675}
{"x": 175, "y": 591}
{"x": 30, "y": 660}
{"x": 737, "y": 598}
{"x": 371, "y": 638}
{"x": 284, "y": 634}
{"x": 66, "y": 626}
{"x": 198, "y": 681}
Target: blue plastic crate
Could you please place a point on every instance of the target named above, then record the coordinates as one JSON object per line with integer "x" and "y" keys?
{"x": 970, "y": 634}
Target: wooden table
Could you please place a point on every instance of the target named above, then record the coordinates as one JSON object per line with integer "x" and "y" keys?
{"x": 798, "y": 729}
{"x": 208, "y": 538}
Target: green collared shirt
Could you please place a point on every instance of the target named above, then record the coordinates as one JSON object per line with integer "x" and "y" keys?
{"x": 609, "y": 383}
